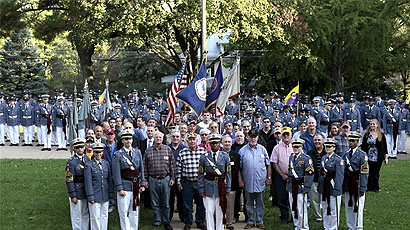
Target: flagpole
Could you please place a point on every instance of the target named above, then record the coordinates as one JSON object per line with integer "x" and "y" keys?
{"x": 297, "y": 105}
{"x": 203, "y": 46}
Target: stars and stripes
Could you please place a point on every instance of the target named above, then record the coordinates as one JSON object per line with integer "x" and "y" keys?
{"x": 180, "y": 82}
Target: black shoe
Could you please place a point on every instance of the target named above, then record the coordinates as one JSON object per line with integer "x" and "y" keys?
{"x": 24, "y": 145}
{"x": 2, "y": 144}
{"x": 44, "y": 149}
{"x": 49, "y": 149}
{"x": 187, "y": 227}
{"x": 201, "y": 226}
{"x": 38, "y": 145}
{"x": 58, "y": 149}
{"x": 230, "y": 226}
{"x": 167, "y": 226}
{"x": 65, "y": 149}
{"x": 29, "y": 144}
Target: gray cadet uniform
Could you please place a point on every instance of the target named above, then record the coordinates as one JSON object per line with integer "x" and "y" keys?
{"x": 356, "y": 175}
{"x": 391, "y": 119}
{"x": 330, "y": 185}
{"x": 128, "y": 174}
{"x": 27, "y": 119}
{"x": 45, "y": 122}
{"x": 74, "y": 177}
{"x": 99, "y": 189}
{"x": 300, "y": 179}
{"x": 215, "y": 181}
{"x": 60, "y": 115}
{"x": 352, "y": 115}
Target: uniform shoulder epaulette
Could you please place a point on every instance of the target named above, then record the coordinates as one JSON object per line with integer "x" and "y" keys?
{"x": 310, "y": 170}
{"x": 364, "y": 168}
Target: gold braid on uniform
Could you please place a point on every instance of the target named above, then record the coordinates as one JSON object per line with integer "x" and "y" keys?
{"x": 310, "y": 170}
{"x": 201, "y": 169}
{"x": 364, "y": 168}
{"x": 68, "y": 175}
{"x": 228, "y": 168}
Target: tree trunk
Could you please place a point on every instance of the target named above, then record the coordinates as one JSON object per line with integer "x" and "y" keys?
{"x": 85, "y": 54}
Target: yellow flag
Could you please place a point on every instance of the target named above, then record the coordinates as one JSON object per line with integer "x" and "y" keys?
{"x": 293, "y": 96}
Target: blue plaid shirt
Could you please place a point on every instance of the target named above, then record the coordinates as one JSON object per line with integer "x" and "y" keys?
{"x": 342, "y": 145}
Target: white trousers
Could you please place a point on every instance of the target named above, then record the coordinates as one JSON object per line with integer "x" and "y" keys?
{"x": 331, "y": 222}
{"x": 14, "y": 133}
{"x": 28, "y": 134}
{"x": 40, "y": 135}
{"x": 2, "y": 133}
{"x": 81, "y": 133}
{"x": 53, "y": 136}
{"x": 212, "y": 207}
{"x": 302, "y": 212}
{"x": 98, "y": 215}
{"x": 401, "y": 141}
{"x": 46, "y": 137}
{"x": 80, "y": 219}
{"x": 354, "y": 220}
{"x": 128, "y": 218}
{"x": 390, "y": 144}
{"x": 61, "y": 141}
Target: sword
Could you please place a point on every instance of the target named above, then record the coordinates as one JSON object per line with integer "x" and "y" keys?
{"x": 358, "y": 204}
{"x": 303, "y": 211}
{"x": 337, "y": 213}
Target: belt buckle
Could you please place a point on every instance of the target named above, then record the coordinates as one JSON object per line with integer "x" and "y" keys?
{"x": 135, "y": 179}
{"x": 216, "y": 179}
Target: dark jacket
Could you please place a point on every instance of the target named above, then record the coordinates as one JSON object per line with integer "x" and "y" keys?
{"x": 380, "y": 145}
{"x": 313, "y": 154}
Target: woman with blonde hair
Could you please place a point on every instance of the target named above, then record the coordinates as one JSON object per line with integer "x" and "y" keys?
{"x": 375, "y": 145}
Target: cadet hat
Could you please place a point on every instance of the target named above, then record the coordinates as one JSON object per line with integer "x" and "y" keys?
{"x": 297, "y": 142}
{"x": 69, "y": 98}
{"x": 192, "y": 135}
{"x": 144, "y": 90}
{"x": 89, "y": 139}
{"x": 12, "y": 98}
{"x": 98, "y": 147}
{"x": 94, "y": 103}
{"x": 78, "y": 142}
{"x": 330, "y": 142}
{"x": 277, "y": 130}
{"x": 214, "y": 138}
{"x": 60, "y": 98}
{"x": 79, "y": 99}
{"x": 117, "y": 106}
{"x": 276, "y": 109}
{"x": 127, "y": 133}
{"x": 272, "y": 93}
{"x": 351, "y": 100}
{"x": 345, "y": 123}
{"x": 131, "y": 102}
{"x": 327, "y": 103}
{"x": 45, "y": 96}
{"x": 109, "y": 131}
{"x": 354, "y": 136}
{"x": 253, "y": 133}
{"x": 316, "y": 99}
{"x": 391, "y": 102}
{"x": 286, "y": 130}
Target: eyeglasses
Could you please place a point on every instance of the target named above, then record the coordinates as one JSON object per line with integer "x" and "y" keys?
{"x": 246, "y": 126}
{"x": 266, "y": 122}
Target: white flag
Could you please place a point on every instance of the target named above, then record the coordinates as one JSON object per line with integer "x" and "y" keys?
{"x": 230, "y": 88}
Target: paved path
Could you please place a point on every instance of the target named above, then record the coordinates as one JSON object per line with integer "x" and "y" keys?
{"x": 20, "y": 152}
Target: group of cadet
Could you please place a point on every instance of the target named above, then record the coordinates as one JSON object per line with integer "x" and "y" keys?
{"x": 220, "y": 163}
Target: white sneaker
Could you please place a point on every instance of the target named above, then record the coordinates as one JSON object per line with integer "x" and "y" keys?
{"x": 270, "y": 198}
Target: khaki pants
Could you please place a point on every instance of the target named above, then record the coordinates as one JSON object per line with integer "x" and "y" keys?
{"x": 230, "y": 208}
{"x": 315, "y": 202}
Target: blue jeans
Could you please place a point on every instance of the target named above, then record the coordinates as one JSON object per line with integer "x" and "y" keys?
{"x": 283, "y": 198}
{"x": 159, "y": 190}
{"x": 190, "y": 192}
{"x": 253, "y": 199}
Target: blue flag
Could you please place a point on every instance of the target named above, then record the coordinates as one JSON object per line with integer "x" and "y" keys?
{"x": 216, "y": 87}
{"x": 194, "y": 95}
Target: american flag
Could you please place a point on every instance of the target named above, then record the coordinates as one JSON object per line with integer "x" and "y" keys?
{"x": 180, "y": 82}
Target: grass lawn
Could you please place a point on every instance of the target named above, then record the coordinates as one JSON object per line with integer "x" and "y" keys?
{"x": 33, "y": 196}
